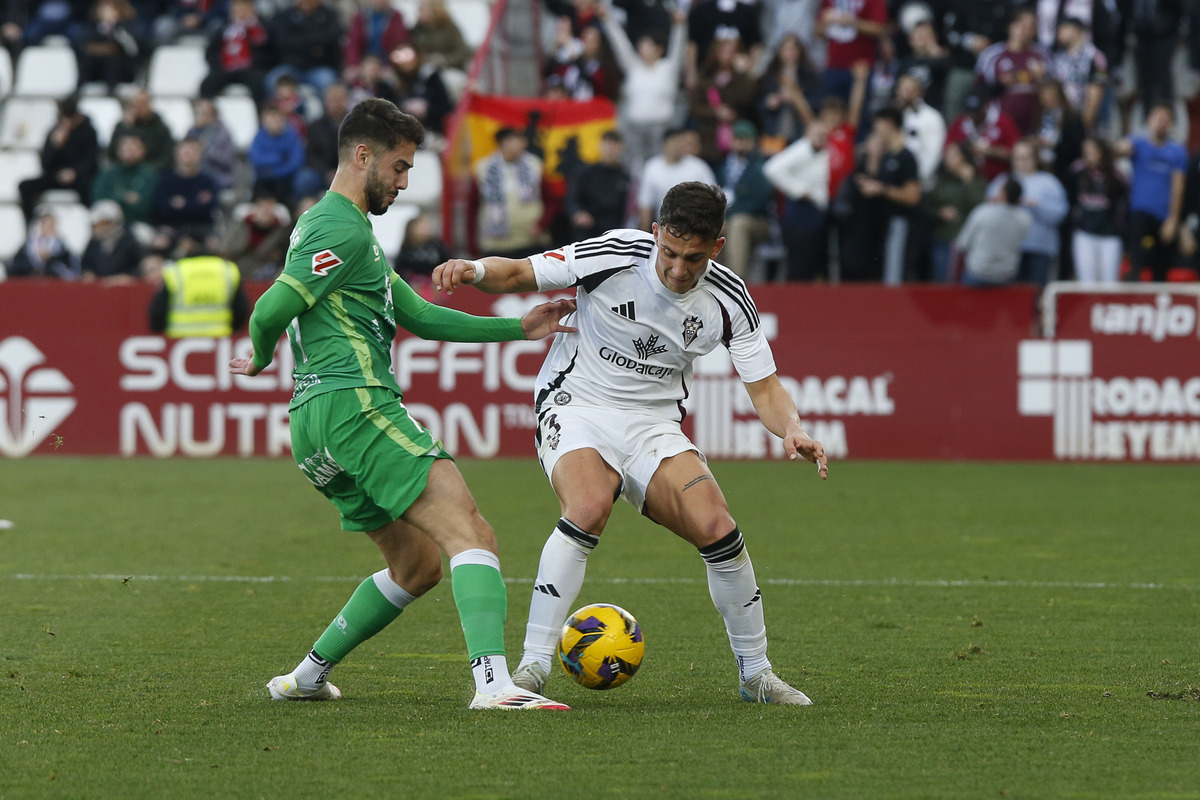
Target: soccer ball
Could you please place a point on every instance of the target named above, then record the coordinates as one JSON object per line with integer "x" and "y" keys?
{"x": 601, "y": 646}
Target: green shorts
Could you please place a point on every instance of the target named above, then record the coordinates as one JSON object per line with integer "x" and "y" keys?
{"x": 363, "y": 451}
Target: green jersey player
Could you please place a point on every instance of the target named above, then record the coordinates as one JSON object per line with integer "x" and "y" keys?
{"x": 352, "y": 437}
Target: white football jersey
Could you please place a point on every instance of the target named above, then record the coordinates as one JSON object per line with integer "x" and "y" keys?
{"x": 637, "y": 339}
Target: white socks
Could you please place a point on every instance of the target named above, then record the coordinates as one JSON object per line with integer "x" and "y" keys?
{"x": 734, "y": 591}
{"x": 559, "y": 579}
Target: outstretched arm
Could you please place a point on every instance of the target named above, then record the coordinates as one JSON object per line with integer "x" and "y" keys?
{"x": 778, "y": 413}
{"x": 430, "y": 321}
{"x": 501, "y": 275}
{"x": 273, "y": 312}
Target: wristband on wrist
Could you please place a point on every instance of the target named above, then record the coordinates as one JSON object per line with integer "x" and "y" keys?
{"x": 480, "y": 270}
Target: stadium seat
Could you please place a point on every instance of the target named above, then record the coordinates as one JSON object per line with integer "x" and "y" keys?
{"x": 176, "y": 112}
{"x": 176, "y": 70}
{"x": 46, "y": 72}
{"x": 473, "y": 18}
{"x": 26, "y": 122}
{"x": 104, "y": 112}
{"x": 455, "y": 81}
{"x": 240, "y": 116}
{"x": 389, "y": 228}
{"x": 12, "y": 222}
{"x": 16, "y": 166}
{"x": 74, "y": 225}
{"x": 6, "y": 73}
{"x": 425, "y": 181}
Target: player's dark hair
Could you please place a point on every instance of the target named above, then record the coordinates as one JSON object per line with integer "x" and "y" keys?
{"x": 378, "y": 124}
{"x": 1013, "y": 192}
{"x": 693, "y": 209}
{"x": 891, "y": 115}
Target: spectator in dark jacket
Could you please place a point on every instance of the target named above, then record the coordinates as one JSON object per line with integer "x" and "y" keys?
{"x": 751, "y": 199}
{"x": 142, "y": 121}
{"x": 307, "y": 40}
{"x": 598, "y": 194}
{"x": 109, "y": 51}
{"x": 238, "y": 53}
{"x": 376, "y": 29}
{"x": 322, "y": 143}
{"x": 419, "y": 88}
{"x": 420, "y": 252}
{"x": 188, "y": 18}
{"x": 186, "y": 199}
{"x": 68, "y": 158}
{"x": 130, "y": 181}
{"x": 113, "y": 255}
{"x": 220, "y": 158}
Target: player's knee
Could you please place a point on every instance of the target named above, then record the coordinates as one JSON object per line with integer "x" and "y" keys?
{"x": 482, "y": 535}
{"x": 713, "y": 528}
{"x": 590, "y": 516}
{"x": 427, "y": 576}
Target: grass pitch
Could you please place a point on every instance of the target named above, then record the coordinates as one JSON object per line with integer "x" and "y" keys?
{"x": 966, "y": 630}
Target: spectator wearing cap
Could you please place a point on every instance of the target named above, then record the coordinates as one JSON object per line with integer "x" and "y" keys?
{"x": 1081, "y": 69}
{"x": 968, "y": 27}
{"x": 130, "y": 181}
{"x": 989, "y": 131}
{"x": 650, "y": 88}
{"x": 511, "y": 205}
{"x": 113, "y": 254}
{"x": 677, "y": 163}
{"x": 750, "y": 196}
{"x": 598, "y": 194}
{"x": 924, "y": 128}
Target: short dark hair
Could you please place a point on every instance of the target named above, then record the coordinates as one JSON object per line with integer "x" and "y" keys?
{"x": 1013, "y": 192}
{"x": 377, "y": 123}
{"x": 891, "y": 115}
{"x": 693, "y": 209}
{"x": 612, "y": 135}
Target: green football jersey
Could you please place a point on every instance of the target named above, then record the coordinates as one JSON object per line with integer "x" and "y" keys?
{"x": 336, "y": 265}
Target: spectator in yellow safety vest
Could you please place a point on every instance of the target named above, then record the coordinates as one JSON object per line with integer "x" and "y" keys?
{"x": 200, "y": 295}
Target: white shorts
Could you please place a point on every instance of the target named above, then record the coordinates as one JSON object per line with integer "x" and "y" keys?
{"x": 632, "y": 444}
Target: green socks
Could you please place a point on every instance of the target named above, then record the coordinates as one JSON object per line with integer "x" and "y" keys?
{"x": 371, "y": 608}
{"x": 482, "y": 600}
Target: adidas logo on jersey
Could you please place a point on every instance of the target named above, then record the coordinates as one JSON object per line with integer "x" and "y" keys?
{"x": 626, "y": 310}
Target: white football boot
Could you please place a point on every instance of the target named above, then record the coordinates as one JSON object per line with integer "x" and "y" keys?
{"x": 767, "y": 687}
{"x": 531, "y": 677}
{"x": 514, "y": 699}
{"x": 284, "y": 687}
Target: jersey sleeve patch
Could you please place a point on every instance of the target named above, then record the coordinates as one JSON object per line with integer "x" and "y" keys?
{"x": 324, "y": 261}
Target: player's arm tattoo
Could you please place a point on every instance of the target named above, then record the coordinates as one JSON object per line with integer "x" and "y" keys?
{"x": 696, "y": 480}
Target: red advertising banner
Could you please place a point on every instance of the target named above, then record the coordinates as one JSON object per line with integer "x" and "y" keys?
{"x": 915, "y": 372}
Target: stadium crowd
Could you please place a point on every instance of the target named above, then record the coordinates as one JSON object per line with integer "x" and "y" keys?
{"x": 857, "y": 140}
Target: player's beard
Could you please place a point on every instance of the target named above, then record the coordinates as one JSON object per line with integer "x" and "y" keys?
{"x": 376, "y": 192}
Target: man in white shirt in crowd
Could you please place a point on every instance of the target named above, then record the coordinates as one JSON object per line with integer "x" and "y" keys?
{"x": 924, "y": 128}
{"x": 677, "y": 163}
{"x": 801, "y": 172}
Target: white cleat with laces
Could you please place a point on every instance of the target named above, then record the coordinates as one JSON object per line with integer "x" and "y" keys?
{"x": 767, "y": 687}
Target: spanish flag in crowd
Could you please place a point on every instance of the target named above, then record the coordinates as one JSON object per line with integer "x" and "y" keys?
{"x": 563, "y": 133}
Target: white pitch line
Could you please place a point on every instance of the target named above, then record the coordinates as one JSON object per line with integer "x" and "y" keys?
{"x": 817, "y": 582}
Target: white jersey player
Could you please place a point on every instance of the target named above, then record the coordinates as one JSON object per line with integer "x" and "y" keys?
{"x": 609, "y": 404}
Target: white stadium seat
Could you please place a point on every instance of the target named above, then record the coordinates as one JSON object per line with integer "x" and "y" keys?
{"x": 176, "y": 70}
{"x": 104, "y": 112}
{"x": 26, "y": 122}
{"x": 425, "y": 181}
{"x": 46, "y": 72}
{"x": 12, "y": 222}
{"x": 176, "y": 112}
{"x": 74, "y": 225}
{"x": 473, "y": 17}
{"x": 240, "y": 116}
{"x": 6, "y": 72}
{"x": 16, "y": 166}
{"x": 389, "y": 228}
